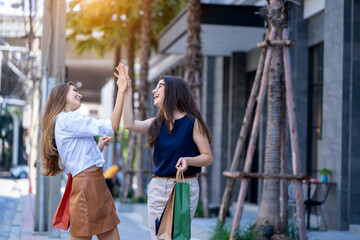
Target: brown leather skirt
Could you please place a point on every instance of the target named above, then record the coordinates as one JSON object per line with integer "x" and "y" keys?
{"x": 92, "y": 209}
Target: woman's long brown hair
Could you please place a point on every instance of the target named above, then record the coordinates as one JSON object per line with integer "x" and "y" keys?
{"x": 177, "y": 96}
{"x": 49, "y": 154}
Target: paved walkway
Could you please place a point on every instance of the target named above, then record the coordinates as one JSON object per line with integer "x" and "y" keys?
{"x": 16, "y": 219}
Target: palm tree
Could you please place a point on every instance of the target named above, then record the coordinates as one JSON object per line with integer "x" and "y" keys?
{"x": 192, "y": 73}
{"x": 156, "y": 15}
{"x": 145, "y": 48}
{"x": 118, "y": 23}
{"x": 269, "y": 213}
{"x": 193, "y": 47}
{"x": 97, "y": 18}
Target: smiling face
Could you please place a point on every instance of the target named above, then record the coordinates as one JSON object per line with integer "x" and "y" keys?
{"x": 72, "y": 100}
{"x": 159, "y": 93}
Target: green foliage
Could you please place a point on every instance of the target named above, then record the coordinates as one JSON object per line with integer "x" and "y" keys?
{"x": 140, "y": 200}
{"x": 325, "y": 172}
{"x": 199, "y": 213}
{"x": 6, "y": 135}
{"x": 162, "y": 14}
{"x": 222, "y": 232}
{"x": 247, "y": 233}
{"x": 100, "y": 25}
{"x": 15, "y": 109}
{"x": 116, "y": 191}
{"x": 97, "y": 25}
{"x": 125, "y": 148}
{"x": 292, "y": 230}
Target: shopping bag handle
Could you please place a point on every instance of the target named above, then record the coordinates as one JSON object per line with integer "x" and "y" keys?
{"x": 180, "y": 176}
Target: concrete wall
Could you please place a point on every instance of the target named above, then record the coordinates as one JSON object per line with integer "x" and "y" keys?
{"x": 341, "y": 111}
{"x": 332, "y": 120}
{"x": 315, "y": 29}
{"x": 224, "y": 98}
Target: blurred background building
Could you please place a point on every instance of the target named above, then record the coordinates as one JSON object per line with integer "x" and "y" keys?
{"x": 324, "y": 64}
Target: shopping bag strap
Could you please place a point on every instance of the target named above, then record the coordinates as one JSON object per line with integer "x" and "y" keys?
{"x": 180, "y": 176}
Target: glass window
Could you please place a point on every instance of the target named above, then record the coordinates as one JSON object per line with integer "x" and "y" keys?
{"x": 316, "y": 57}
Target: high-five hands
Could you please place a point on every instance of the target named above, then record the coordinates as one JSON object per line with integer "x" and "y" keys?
{"x": 124, "y": 80}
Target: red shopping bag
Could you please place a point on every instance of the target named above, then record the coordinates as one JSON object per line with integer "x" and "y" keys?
{"x": 62, "y": 215}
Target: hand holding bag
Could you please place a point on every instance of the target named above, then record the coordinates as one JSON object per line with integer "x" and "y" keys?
{"x": 61, "y": 218}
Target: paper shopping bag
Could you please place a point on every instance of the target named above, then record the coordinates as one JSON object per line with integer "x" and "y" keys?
{"x": 164, "y": 226}
{"x": 182, "y": 222}
{"x": 62, "y": 215}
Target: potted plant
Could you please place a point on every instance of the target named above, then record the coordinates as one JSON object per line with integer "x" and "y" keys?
{"x": 324, "y": 173}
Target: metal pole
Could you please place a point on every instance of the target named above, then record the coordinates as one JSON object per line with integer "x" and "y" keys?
{"x": 53, "y": 69}
{"x": 42, "y": 202}
{"x": 15, "y": 156}
{"x": 1, "y": 58}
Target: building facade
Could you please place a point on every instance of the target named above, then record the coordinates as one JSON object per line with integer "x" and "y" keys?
{"x": 324, "y": 62}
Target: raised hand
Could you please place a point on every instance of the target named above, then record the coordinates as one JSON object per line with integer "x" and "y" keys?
{"x": 123, "y": 79}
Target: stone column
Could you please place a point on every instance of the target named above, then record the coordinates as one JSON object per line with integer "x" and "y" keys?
{"x": 341, "y": 111}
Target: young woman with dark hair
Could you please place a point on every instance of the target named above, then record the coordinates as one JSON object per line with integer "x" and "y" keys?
{"x": 180, "y": 138}
{"x": 67, "y": 144}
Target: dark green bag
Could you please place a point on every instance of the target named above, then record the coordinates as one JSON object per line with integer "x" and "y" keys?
{"x": 182, "y": 223}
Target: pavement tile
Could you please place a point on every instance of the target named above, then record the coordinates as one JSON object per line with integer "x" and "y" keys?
{"x": 17, "y": 222}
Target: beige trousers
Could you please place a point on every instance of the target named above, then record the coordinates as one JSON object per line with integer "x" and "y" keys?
{"x": 159, "y": 190}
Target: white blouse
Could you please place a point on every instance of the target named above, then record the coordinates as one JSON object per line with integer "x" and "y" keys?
{"x": 75, "y": 143}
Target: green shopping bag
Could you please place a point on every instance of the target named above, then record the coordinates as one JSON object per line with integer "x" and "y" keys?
{"x": 181, "y": 224}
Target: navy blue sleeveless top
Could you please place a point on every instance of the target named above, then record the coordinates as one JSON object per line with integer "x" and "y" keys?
{"x": 170, "y": 147}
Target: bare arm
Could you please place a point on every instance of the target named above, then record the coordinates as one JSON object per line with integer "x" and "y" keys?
{"x": 129, "y": 123}
{"x": 122, "y": 83}
{"x": 204, "y": 158}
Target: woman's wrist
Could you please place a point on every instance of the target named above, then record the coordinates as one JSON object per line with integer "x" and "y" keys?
{"x": 188, "y": 161}
{"x": 121, "y": 90}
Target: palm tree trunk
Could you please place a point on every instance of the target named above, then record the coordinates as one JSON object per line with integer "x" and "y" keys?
{"x": 193, "y": 47}
{"x": 192, "y": 75}
{"x": 131, "y": 140}
{"x": 131, "y": 50}
{"x": 116, "y": 62}
{"x": 127, "y": 176}
{"x": 121, "y": 142}
{"x": 269, "y": 213}
{"x": 145, "y": 47}
{"x": 284, "y": 170}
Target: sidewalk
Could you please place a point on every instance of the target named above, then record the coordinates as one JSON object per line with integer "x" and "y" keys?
{"x": 133, "y": 224}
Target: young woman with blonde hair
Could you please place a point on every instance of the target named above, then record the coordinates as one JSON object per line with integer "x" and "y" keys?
{"x": 180, "y": 138}
{"x": 67, "y": 144}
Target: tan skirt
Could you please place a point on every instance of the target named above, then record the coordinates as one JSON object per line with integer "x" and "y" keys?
{"x": 92, "y": 209}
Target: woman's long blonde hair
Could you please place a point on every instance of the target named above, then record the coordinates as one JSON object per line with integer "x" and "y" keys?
{"x": 49, "y": 154}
